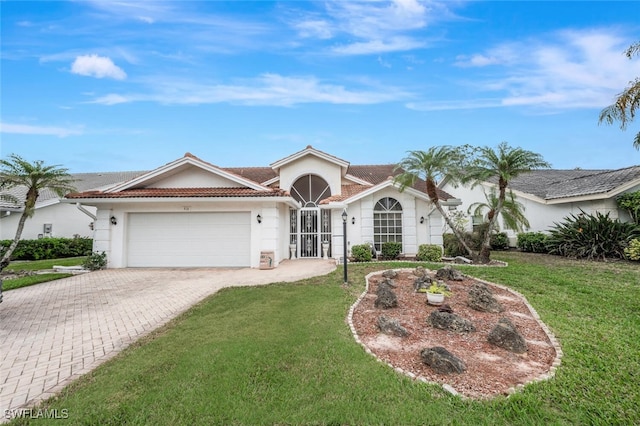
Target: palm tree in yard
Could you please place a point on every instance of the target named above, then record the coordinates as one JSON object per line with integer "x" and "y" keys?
{"x": 35, "y": 177}
{"x": 432, "y": 166}
{"x": 504, "y": 163}
{"x": 512, "y": 211}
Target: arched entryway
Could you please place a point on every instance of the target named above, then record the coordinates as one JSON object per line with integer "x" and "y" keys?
{"x": 310, "y": 226}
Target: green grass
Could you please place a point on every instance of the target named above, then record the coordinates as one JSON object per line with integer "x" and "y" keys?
{"x": 283, "y": 354}
{"x": 31, "y": 280}
{"x": 37, "y": 265}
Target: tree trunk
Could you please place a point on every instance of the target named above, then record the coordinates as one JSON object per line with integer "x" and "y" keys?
{"x": 485, "y": 249}
{"x": 7, "y": 255}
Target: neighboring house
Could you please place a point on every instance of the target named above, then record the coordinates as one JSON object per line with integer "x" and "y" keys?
{"x": 190, "y": 213}
{"x": 53, "y": 218}
{"x": 551, "y": 195}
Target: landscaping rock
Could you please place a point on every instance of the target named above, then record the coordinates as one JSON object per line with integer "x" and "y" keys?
{"x": 461, "y": 260}
{"x": 387, "y": 299}
{"x": 506, "y": 336}
{"x": 445, "y": 308}
{"x": 391, "y": 326}
{"x": 449, "y": 321}
{"x": 420, "y": 272}
{"x": 449, "y": 273}
{"x": 422, "y": 283}
{"x": 442, "y": 361}
{"x": 387, "y": 282}
{"x": 390, "y": 273}
{"x": 481, "y": 299}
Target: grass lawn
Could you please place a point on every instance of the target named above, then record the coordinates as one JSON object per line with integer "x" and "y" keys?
{"x": 283, "y": 354}
{"x": 38, "y": 265}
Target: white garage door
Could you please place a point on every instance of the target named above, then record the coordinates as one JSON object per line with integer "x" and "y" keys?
{"x": 189, "y": 239}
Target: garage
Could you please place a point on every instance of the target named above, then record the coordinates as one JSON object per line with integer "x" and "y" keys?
{"x": 221, "y": 239}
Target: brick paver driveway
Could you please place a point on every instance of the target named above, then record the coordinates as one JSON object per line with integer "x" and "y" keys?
{"x": 52, "y": 333}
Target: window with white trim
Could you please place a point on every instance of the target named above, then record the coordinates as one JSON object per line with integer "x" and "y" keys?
{"x": 387, "y": 222}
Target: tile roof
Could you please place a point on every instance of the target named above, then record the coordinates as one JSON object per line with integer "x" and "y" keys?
{"x": 557, "y": 184}
{"x": 256, "y": 174}
{"x": 180, "y": 193}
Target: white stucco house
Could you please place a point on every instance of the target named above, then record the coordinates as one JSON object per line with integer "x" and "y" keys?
{"x": 191, "y": 213}
{"x": 53, "y": 218}
{"x": 549, "y": 196}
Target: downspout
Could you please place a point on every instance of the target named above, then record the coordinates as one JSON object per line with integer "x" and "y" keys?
{"x": 85, "y": 211}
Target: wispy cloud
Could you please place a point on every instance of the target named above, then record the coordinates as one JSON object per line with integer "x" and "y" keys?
{"x": 25, "y": 129}
{"x": 97, "y": 66}
{"x": 267, "y": 89}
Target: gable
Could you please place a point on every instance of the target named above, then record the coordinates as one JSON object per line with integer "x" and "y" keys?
{"x": 193, "y": 177}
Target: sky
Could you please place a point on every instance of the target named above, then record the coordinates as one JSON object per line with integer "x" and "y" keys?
{"x": 96, "y": 86}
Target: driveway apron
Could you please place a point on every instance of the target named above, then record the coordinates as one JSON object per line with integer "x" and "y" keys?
{"x": 52, "y": 333}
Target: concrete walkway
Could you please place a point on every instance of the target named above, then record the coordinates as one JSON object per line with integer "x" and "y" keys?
{"x": 52, "y": 333}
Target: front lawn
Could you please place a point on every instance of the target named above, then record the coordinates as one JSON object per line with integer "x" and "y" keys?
{"x": 38, "y": 265}
{"x": 283, "y": 354}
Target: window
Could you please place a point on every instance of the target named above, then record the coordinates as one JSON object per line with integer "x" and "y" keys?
{"x": 387, "y": 222}
{"x": 310, "y": 190}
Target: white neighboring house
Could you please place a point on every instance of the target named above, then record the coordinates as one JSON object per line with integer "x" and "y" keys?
{"x": 53, "y": 218}
{"x": 191, "y": 213}
{"x": 549, "y": 196}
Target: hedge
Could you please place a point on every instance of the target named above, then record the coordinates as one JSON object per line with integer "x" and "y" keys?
{"x": 49, "y": 248}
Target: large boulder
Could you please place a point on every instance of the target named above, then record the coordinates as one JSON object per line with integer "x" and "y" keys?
{"x": 506, "y": 336}
{"x": 449, "y": 273}
{"x": 449, "y": 321}
{"x": 482, "y": 299}
{"x": 386, "y": 299}
{"x": 391, "y": 326}
{"x": 442, "y": 361}
{"x": 389, "y": 273}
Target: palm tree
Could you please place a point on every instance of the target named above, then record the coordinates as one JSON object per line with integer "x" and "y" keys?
{"x": 505, "y": 164}
{"x": 512, "y": 211}
{"x": 433, "y": 165}
{"x": 35, "y": 177}
{"x": 625, "y": 106}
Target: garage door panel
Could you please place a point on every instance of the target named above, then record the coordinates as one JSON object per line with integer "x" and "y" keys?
{"x": 189, "y": 239}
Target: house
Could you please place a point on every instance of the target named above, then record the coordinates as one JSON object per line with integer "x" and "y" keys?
{"x": 191, "y": 213}
{"x": 549, "y": 196}
{"x": 52, "y": 218}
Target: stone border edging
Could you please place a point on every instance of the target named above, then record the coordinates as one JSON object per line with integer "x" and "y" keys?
{"x": 546, "y": 376}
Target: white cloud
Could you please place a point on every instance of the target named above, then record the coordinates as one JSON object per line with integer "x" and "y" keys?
{"x": 97, "y": 66}
{"x": 25, "y": 129}
{"x": 396, "y": 44}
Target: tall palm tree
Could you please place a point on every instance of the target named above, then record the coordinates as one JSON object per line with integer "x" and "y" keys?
{"x": 628, "y": 101}
{"x": 433, "y": 165}
{"x": 505, "y": 164}
{"x": 15, "y": 171}
{"x": 512, "y": 211}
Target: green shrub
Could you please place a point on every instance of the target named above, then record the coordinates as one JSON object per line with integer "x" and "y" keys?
{"x": 429, "y": 253}
{"x": 361, "y": 253}
{"x": 49, "y": 248}
{"x": 632, "y": 252}
{"x": 391, "y": 250}
{"x": 452, "y": 246}
{"x": 591, "y": 237}
{"x": 631, "y": 203}
{"x": 95, "y": 261}
{"x": 499, "y": 241}
{"x": 532, "y": 242}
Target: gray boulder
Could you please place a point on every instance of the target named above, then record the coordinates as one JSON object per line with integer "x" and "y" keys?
{"x": 422, "y": 283}
{"x": 449, "y": 273}
{"x": 391, "y": 326}
{"x": 442, "y": 361}
{"x": 389, "y": 273}
{"x": 420, "y": 272}
{"x": 506, "y": 336}
{"x": 449, "y": 321}
{"x": 481, "y": 299}
{"x": 387, "y": 282}
{"x": 387, "y": 299}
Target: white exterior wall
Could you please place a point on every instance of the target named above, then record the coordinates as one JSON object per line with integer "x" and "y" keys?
{"x": 66, "y": 220}
{"x": 195, "y": 178}
{"x": 330, "y": 172}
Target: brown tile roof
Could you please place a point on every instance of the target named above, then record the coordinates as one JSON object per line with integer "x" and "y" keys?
{"x": 180, "y": 193}
{"x": 256, "y": 174}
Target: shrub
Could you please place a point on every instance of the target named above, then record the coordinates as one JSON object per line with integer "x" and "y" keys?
{"x": 632, "y": 252}
{"x": 452, "y": 246}
{"x": 49, "y": 248}
{"x": 95, "y": 261}
{"x": 532, "y": 242}
{"x": 499, "y": 241}
{"x": 591, "y": 236}
{"x": 361, "y": 253}
{"x": 631, "y": 203}
{"x": 429, "y": 253}
{"x": 391, "y": 250}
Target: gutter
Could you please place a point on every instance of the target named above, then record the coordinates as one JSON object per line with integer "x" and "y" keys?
{"x": 85, "y": 211}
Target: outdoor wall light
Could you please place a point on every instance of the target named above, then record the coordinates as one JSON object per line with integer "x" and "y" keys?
{"x": 114, "y": 221}
{"x": 421, "y": 219}
{"x": 259, "y": 218}
{"x": 353, "y": 220}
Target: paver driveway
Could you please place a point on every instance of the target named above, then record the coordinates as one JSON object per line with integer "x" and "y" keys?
{"x": 52, "y": 333}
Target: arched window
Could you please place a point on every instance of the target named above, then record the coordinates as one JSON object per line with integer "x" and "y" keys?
{"x": 310, "y": 189}
{"x": 387, "y": 222}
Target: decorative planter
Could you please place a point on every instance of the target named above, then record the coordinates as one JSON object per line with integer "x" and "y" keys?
{"x": 435, "y": 299}
{"x": 292, "y": 251}
{"x": 325, "y": 250}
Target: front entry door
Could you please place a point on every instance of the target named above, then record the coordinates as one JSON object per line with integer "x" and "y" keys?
{"x": 315, "y": 229}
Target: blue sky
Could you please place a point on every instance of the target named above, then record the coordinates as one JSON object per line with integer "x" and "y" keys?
{"x": 132, "y": 85}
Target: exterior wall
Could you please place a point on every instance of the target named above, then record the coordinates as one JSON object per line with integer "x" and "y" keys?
{"x": 194, "y": 178}
{"x": 66, "y": 220}
{"x": 311, "y": 165}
